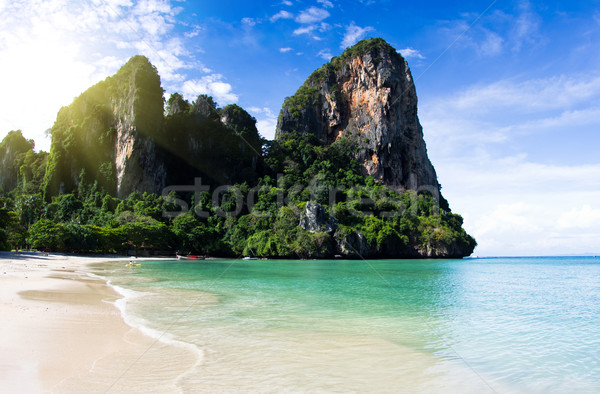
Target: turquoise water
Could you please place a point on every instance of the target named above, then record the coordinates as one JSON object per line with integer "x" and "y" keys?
{"x": 495, "y": 325}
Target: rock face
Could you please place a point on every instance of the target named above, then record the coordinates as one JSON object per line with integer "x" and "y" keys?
{"x": 314, "y": 218}
{"x": 367, "y": 95}
{"x": 220, "y": 145}
{"x": 138, "y": 119}
{"x": 116, "y": 136}
{"x": 11, "y": 147}
{"x": 352, "y": 245}
{"x": 108, "y": 135}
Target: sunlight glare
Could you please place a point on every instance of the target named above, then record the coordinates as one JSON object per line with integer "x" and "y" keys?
{"x": 42, "y": 72}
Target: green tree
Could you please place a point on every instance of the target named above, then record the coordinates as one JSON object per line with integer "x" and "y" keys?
{"x": 192, "y": 235}
{"x": 69, "y": 207}
{"x": 47, "y": 236}
{"x": 148, "y": 236}
{"x": 13, "y": 150}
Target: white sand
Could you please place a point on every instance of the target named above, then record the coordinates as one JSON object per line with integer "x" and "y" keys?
{"x": 61, "y": 332}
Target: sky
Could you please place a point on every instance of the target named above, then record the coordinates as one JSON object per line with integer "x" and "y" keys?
{"x": 509, "y": 91}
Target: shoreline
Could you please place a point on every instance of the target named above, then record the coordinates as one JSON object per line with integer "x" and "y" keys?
{"x": 68, "y": 330}
{"x": 65, "y": 331}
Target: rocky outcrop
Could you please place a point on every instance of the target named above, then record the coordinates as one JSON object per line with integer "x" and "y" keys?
{"x": 205, "y": 108}
{"x": 220, "y": 145}
{"x": 352, "y": 245}
{"x": 107, "y": 135}
{"x": 315, "y": 218}
{"x": 12, "y": 148}
{"x": 368, "y": 96}
{"x": 451, "y": 250}
{"x": 117, "y": 136}
{"x": 138, "y": 117}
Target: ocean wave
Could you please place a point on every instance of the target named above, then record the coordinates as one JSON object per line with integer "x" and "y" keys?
{"x": 143, "y": 325}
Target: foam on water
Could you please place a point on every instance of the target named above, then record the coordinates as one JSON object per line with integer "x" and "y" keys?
{"x": 144, "y": 326}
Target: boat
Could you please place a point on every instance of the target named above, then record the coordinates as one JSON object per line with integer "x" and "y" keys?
{"x": 190, "y": 257}
{"x": 249, "y": 257}
{"x": 131, "y": 264}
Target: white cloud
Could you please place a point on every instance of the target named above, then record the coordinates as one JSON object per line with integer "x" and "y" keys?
{"x": 310, "y": 29}
{"x": 408, "y": 53}
{"x": 325, "y": 3}
{"x": 584, "y": 217}
{"x": 312, "y": 15}
{"x": 525, "y": 28}
{"x": 512, "y": 204}
{"x": 55, "y": 49}
{"x": 492, "y": 45}
{"x": 282, "y": 15}
{"x": 354, "y": 34}
{"x": 145, "y": 7}
{"x": 266, "y": 127}
{"x": 287, "y": 2}
{"x": 154, "y": 24}
{"x": 509, "y": 218}
{"x": 536, "y": 94}
{"x": 485, "y": 41}
{"x": 195, "y": 31}
{"x": 285, "y": 50}
{"x": 266, "y": 121}
{"x": 249, "y": 21}
{"x": 325, "y": 54}
{"x": 323, "y": 27}
{"x": 496, "y": 31}
{"x": 503, "y": 110}
{"x": 211, "y": 85}
{"x": 304, "y": 30}
{"x": 523, "y": 208}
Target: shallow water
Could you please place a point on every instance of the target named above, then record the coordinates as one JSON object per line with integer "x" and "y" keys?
{"x": 475, "y": 325}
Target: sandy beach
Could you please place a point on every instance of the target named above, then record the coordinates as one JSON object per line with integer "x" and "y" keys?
{"x": 62, "y": 332}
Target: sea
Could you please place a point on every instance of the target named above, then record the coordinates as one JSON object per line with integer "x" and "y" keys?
{"x": 504, "y": 325}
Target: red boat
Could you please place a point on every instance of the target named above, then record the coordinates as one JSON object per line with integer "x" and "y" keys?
{"x": 190, "y": 257}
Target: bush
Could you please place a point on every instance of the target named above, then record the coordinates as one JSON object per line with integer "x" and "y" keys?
{"x": 47, "y": 236}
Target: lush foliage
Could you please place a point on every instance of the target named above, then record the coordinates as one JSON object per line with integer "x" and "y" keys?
{"x": 187, "y": 141}
{"x": 21, "y": 166}
{"x": 219, "y": 145}
{"x": 84, "y": 133}
{"x": 295, "y": 197}
{"x": 299, "y": 170}
{"x": 366, "y": 218}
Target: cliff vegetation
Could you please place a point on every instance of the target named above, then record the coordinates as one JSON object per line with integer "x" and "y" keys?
{"x": 347, "y": 175}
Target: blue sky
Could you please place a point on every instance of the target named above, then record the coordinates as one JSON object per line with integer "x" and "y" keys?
{"x": 509, "y": 91}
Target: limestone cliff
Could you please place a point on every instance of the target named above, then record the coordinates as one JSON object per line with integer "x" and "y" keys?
{"x": 107, "y": 135}
{"x": 220, "y": 145}
{"x": 12, "y": 148}
{"x": 138, "y": 115}
{"x": 116, "y": 136}
{"x": 367, "y": 95}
